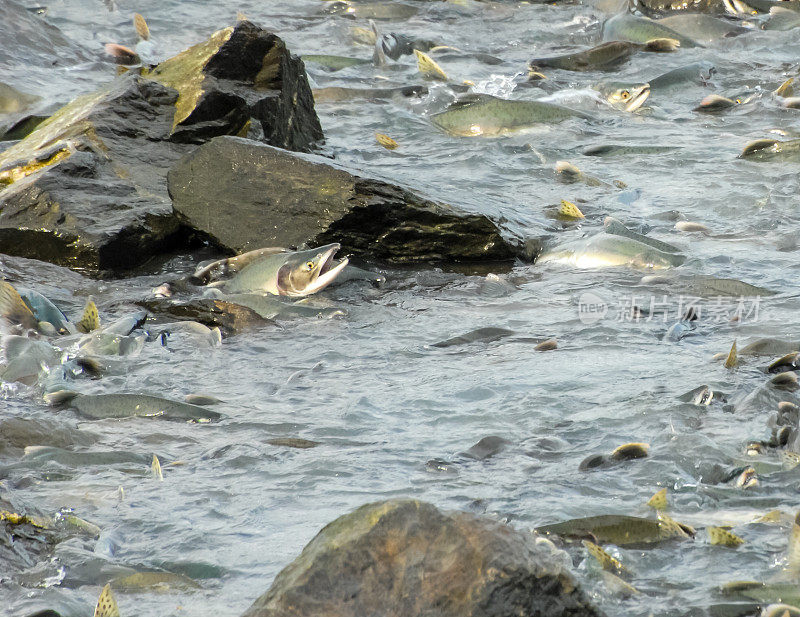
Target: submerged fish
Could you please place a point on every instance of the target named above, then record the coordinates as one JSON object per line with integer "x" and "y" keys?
{"x": 628, "y": 27}
{"x": 295, "y": 274}
{"x": 333, "y": 63}
{"x": 13, "y": 101}
{"x": 604, "y": 250}
{"x": 102, "y": 406}
{"x": 702, "y": 27}
{"x": 607, "y": 55}
{"x": 335, "y": 94}
{"x": 768, "y": 149}
{"x": 625, "y": 149}
{"x": 615, "y": 227}
{"x": 486, "y": 115}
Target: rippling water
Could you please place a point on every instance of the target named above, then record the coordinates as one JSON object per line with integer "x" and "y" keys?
{"x": 234, "y": 509}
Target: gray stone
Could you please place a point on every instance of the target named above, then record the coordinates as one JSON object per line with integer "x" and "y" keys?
{"x": 403, "y": 558}
{"x": 244, "y": 195}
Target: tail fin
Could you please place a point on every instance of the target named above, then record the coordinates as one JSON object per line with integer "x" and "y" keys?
{"x": 662, "y": 45}
{"x": 379, "y": 55}
{"x": 59, "y": 397}
{"x": 13, "y": 308}
{"x": 106, "y": 604}
{"x": 141, "y": 27}
{"x": 91, "y": 318}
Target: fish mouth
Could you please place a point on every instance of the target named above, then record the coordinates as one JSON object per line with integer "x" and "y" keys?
{"x": 640, "y": 95}
{"x": 327, "y": 270}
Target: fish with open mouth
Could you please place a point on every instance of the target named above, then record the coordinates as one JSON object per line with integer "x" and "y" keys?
{"x": 294, "y": 274}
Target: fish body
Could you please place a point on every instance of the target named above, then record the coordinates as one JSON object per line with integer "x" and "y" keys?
{"x": 336, "y": 94}
{"x": 615, "y": 227}
{"x": 604, "y": 250}
{"x": 697, "y": 72}
{"x": 605, "y": 56}
{"x": 117, "y": 406}
{"x": 627, "y": 27}
{"x": 486, "y": 115}
{"x": 333, "y": 63}
{"x": 294, "y": 274}
{"x": 13, "y": 101}
{"x": 701, "y": 27}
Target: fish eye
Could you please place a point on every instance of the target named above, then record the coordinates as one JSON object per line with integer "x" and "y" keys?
{"x": 738, "y": 101}
{"x": 309, "y": 265}
{"x": 625, "y": 94}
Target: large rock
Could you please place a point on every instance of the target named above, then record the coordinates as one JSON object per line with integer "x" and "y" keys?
{"x": 244, "y": 195}
{"x": 405, "y": 558}
{"x": 87, "y": 188}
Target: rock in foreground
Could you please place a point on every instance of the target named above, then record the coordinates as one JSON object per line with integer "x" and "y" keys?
{"x": 406, "y": 558}
{"x": 87, "y": 188}
{"x": 244, "y": 195}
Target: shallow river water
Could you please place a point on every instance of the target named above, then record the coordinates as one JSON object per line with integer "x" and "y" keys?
{"x": 233, "y": 510}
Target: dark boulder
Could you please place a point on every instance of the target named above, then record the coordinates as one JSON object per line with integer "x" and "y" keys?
{"x": 244, "y": 195}
{"x": 87, "y": 188}
{"x": 405, "y": 557}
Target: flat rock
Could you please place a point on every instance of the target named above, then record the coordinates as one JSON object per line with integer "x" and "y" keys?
{"x": 406, "y": 557}
{"x": 87, "y": 188}
{"x": 244, "y": 195}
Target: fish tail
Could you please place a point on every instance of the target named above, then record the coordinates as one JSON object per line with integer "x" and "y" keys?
{"x": 13, "y": 307}
{"x": 91, "y": 318}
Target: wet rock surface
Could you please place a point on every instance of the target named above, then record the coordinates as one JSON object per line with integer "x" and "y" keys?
{"x": 242, "y": 195}
{"x": 406, "y": 557}
{"x": 29, "y": 40}
{"x": 87, "y": 188}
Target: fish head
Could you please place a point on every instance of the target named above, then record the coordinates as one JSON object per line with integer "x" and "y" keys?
{"x": 628, "y": 98}
{"x": 306, "y": 272}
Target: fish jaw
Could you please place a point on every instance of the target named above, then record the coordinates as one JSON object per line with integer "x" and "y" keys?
{"x": 324, "y": 274}
{"x": 639, "y": 96}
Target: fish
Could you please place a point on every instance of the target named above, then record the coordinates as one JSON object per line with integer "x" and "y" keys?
{"x": 789, "y": 361}
{"x": 569, "y": 173}
{"x": 723, "y": 537}
{"x": 623, "y": 150}
{"x": 715, "y": 102}
{"x": 615, "y": 227}
{"x": 481, "y": 335}
{"x": 770, "y": 149}
{"x": 106, "y": 604}
{"x": 393, "y": 45}
{"x": 701, "y": 27}
{"x": 607, "y": 561}
{"x": 294, "y": 274}
{"x": 569, "y": 210}
{"x": 547, "y": 345}
{"x": 697, "y": 72}
{"x": 153, "y": 581}
{"x": 13, "y": 308}
{"x": 690, "y": 227}
{"x": 605, "y": 250}
{"x": 103, "y": 406}
{"x": 13, "y": 101}
{"x": 386, "y": 141}
{"x": 122, "y": 55}
{"x": 732, "y": 360}
{"x": 272, "y": 307}
{"x": 780, "y": 610}
{"x": 155, "y": 469}
{"x": 630, "y": 451}
{"x": 333, "y": 63}
{"x": 782, "y": 19}
{"x": 769, "y": 347}
{"x": 486, "y": 115}
{"x": 619, "y": 529}
{"x": 625, "y": 97}
{"x": 428, "y": 67}
{"x": 335, "y": 94}
{"x": 659, "y": 500}
{"x": 605, "y": 56}
{"x": 371, "y": 10}
{"x": 26, "y": 359}
{"x": 628, "y": 27}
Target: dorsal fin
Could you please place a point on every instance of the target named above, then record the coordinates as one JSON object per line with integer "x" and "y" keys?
{"x": 106, "y": 604}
